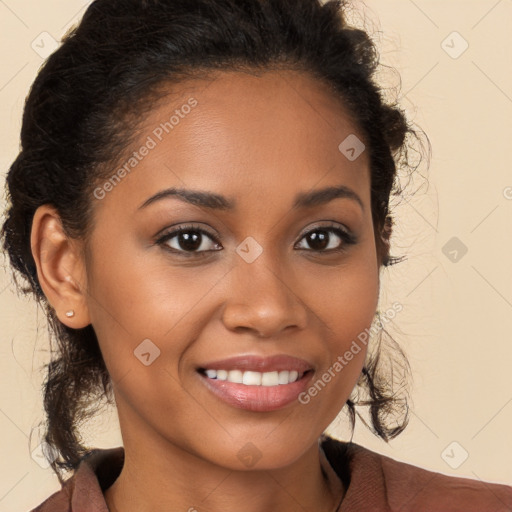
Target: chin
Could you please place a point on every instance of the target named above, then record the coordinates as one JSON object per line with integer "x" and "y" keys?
{"x": 257, "y": 452}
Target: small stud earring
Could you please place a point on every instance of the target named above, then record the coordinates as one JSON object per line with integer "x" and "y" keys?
{"x": 70, "y": 313}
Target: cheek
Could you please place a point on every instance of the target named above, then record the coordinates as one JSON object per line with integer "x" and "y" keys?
{"x": 346, "y": 343}
{"x": 348, "y": 302}
{"x": 352, "y": 311}
{"x": 134, "y": 297}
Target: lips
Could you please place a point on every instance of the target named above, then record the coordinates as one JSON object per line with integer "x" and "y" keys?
{"x": 257, "y": 383}
{"x": 260, "y": 364}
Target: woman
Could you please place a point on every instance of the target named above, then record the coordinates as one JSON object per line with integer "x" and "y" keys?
{"x": 201, "y": 205}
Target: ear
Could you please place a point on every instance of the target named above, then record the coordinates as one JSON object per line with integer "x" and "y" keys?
{"x": 60, "y": 267}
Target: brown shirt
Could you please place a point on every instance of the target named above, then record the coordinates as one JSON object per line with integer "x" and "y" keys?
{"x": 373, "y": 482}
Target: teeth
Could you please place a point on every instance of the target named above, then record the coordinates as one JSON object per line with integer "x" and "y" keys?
{"x": 270, "y": 379}
{"x": 221, "y": 374}
{"x": 235, "y": 376}
{"x": 212, "y": 374}
{"x": 250, "y": 378}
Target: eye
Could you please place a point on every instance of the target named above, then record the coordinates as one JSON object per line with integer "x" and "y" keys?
{"x": 192, "y": 240}
{"x": 321, "y": 239}
{"x": 189, "y": 239}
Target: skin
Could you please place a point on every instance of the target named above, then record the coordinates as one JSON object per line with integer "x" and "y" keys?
{"x": 259, "y": 140}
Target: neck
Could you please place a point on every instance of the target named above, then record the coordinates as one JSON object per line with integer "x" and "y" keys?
{"x": 172, "y": 480}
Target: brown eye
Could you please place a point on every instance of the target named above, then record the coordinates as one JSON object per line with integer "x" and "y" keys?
{"x": 324, "y": 239}
{"x": 189, "y": 240}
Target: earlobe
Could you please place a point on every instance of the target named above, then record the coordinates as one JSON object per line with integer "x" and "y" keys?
{"x": 60, "y": 267}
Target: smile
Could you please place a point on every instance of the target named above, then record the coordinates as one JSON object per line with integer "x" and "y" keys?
{"x": 256, "y": 383}
{"x": 251, "y": 378}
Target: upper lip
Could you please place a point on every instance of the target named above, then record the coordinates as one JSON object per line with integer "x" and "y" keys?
{"x": 280, "y": 362}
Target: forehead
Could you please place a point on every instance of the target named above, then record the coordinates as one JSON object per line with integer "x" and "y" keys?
{"x": 236, "y": 132}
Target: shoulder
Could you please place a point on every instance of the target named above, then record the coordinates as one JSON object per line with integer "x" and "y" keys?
{"x": 97, "y": 470}
{"x": 59, "y": 501}
{"x": 395, "y": 485}
{"x": 412, "y": 487}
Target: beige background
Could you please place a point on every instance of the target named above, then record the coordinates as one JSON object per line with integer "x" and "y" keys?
{"x": 457, "y": 315}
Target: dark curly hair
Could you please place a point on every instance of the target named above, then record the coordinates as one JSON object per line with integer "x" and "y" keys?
{"x": 114, "y": 65}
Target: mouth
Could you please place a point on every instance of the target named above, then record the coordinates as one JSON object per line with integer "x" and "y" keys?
{"x": 253, "y": 378}
{"x": 255, "y": 383}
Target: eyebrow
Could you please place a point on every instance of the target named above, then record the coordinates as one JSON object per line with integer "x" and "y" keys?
{"x": 218, "y": 202}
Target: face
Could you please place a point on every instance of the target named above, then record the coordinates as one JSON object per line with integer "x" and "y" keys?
{"x": 267, "y": 279}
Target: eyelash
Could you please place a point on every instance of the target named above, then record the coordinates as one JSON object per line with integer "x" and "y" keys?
{"x": 348, "y": 239}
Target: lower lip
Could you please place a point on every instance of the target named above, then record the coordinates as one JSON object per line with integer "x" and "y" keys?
{"x": 257, "y": 398}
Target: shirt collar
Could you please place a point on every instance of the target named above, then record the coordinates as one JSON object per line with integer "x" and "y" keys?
{"x": 358, "y": 468}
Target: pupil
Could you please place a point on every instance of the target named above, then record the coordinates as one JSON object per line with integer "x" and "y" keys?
{"x": 190, "y": 242}
{"x": 319, "y": 236}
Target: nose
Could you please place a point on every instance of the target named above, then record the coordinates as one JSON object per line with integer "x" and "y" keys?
{"x": 261, "y": 298}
